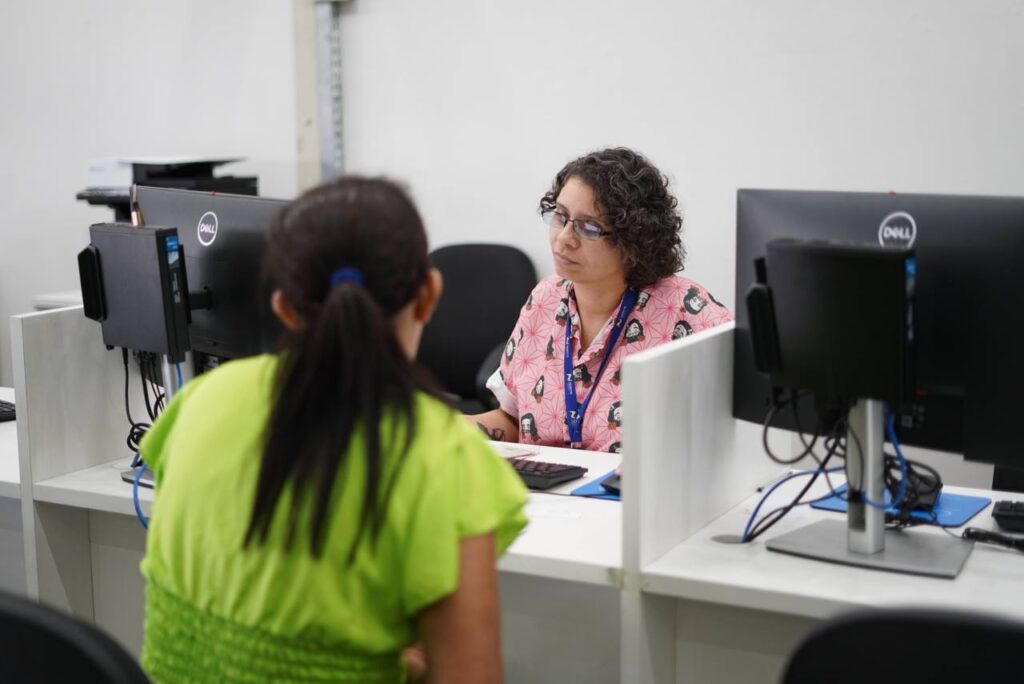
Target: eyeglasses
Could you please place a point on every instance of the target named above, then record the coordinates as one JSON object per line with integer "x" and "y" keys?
{"x": 588, "y": 231}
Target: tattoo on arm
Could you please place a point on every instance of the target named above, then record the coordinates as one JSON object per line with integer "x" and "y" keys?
{"x": 497, "y": 434}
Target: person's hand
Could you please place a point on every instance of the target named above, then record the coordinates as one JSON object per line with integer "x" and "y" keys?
{"x": 415, "y": 658}
{"x": 618, "y": 470}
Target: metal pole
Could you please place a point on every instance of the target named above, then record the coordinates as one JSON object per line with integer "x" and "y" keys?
{"x": 865, "y": 464}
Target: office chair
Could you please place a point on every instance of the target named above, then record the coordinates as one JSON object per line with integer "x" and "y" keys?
{"x": 904, "y": 646}
{"x": 39, "y": 644}
{"x": 485, "y": 286}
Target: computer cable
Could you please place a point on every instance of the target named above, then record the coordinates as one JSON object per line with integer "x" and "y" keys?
{"x": 769, "y": 420}
{"x": 772, "y": 517}
{"x": 152, "y": 370}
{"x": 751, "y": 532}
{"x": 145, "y": 395}
{"x": 835, "y": 446}
{"x": 147, "y": 371}
{"x": 136, "y": 430}
{"x": 890, "y": 428}
{"x": 809, "y": 445}
{"x": 989, "y": 537}
{"x": 922, "y": 484}
{"x": 840, "y": 452}
{"x": 880, "y": 505}
{"x": 140, "y": 468}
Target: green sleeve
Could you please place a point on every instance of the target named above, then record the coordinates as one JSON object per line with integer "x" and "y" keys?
{"x": 158, "y": 438}
{"x": 468, "y": 491}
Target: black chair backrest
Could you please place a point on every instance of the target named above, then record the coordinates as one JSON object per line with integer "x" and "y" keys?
{"x": 40, "y": 644}
{"x": 908, "y": 646}
{"x": 485, "y": 286}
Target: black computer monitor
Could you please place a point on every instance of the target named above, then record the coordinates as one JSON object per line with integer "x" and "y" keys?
{"x": 968, "y": 307}
{"x": 222, "y": 236}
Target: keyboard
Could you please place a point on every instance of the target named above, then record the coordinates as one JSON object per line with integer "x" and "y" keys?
{"x": 541, "y": 475}
{"x": 1009, "y": 515}
{"x": 6, "y": 411}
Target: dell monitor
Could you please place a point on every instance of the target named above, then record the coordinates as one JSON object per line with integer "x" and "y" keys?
{"x": 222, "y": 237}
{"x": 968, "y": 311}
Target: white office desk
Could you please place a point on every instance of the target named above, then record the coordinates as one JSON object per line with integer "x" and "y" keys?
{"x": 751, "y": 576}
{"x": 569, "y": 537}
{"x": 741, "y": 609}
{"x": 559, "y": 577}
{"x": 99, "y": 488}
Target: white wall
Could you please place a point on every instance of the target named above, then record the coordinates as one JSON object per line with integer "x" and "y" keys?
{"x": 82, "y": 80}
{"x": 477, "y": 103}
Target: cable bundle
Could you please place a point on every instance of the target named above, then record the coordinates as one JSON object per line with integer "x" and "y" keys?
{"x": 910, "y": 484}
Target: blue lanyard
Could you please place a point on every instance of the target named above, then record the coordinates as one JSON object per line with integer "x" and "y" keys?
{"x": 574, "y": 411}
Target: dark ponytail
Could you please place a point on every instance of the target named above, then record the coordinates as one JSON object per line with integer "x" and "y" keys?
{"x": 344, "y": 369}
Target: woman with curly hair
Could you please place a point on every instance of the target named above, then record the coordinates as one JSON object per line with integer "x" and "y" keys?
{"x": 614, "y": 234}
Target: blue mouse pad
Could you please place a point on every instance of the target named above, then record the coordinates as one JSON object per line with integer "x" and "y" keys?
{"x": 594, "y": 490}
{"x": 951, "y": 510}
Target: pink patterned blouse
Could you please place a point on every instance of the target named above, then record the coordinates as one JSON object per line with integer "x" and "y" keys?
{"x": 528, "y": 384}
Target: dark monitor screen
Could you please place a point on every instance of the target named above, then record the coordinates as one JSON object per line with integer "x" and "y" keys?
{"x": 222, "y": 237}
{"x": 968, "y": 308}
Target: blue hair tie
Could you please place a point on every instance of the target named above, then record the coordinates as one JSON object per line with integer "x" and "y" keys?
{"x": 349, "y": 274}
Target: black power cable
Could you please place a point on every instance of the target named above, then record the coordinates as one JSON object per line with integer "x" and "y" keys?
{"x": 136, "y": 431}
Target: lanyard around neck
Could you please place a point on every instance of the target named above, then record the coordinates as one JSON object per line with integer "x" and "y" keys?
{"x": 574, "y": 411}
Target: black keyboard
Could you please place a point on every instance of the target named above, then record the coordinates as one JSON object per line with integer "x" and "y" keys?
{"x": 6, "y": 411}
{"x": 541, "y": 475}
{"x": 1009, "y": 515}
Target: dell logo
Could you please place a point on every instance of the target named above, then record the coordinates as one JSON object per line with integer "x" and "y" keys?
{"x": 897, "y": 230}
{"x": 207, "y": 228}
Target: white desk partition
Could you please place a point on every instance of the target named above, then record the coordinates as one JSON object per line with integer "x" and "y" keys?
{"x": 687, "y": 461}
{"x": 71, "y": 417}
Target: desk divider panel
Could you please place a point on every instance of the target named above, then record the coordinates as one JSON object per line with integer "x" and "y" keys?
{"x": 686, "y": 461}
{"x": 71, "y": 416}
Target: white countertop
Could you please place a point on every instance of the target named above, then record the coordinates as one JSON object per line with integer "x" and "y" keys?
{"x": 569, "y": 537}
{"x": 99, "y": 488}
{"x": 751, "y": 576}
{"x": 10, "y": 477}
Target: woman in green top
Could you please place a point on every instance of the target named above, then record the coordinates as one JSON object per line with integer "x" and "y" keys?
{"x": 318, "y": 511}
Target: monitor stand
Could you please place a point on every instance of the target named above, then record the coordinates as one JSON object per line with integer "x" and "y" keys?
{"x": 145, "y": 480}
{"x": 865, "y": 542}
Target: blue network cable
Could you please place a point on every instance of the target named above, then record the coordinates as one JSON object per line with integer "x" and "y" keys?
{"x": 140, "y": 468}
{"x": 802, "y": 473}
{"x": 890, "y": 428}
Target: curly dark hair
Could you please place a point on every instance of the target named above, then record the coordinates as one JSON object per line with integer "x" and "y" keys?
{"x": 637, "y": 207}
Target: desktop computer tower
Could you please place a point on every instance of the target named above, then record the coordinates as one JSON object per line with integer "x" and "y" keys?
{"x": 133, "y": 282}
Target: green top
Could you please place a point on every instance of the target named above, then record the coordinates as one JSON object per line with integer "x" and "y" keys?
{"x": 266, "y": 606}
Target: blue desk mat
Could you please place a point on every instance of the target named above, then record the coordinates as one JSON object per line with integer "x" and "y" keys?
{"x": 594, "y": 490}
{"x": 951, "y": 510}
